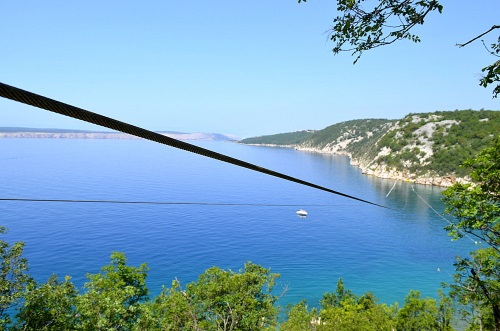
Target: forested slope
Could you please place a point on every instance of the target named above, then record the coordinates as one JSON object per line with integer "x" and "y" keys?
{"x": 280, "y": 139}
{"x": 422, "y": 147}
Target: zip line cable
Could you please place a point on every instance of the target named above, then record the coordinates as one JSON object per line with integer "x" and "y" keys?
{"x": 32, "y": 99}
{"x": 160, "y": 202}
{"x": 440, "y": 215}
{"x": 393, "y": 186}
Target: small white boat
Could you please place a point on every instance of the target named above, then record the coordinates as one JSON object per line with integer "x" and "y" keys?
{"x": 301, "y": 212}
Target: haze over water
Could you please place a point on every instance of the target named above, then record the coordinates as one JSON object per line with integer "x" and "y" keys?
{"x": 385, "y": 251}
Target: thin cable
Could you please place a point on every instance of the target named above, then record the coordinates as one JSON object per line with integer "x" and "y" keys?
{"x": 391, "y": 189}
{"x": 58, "y": 107}
{"x": 447, "y": 220}
{"x": 161, "y": 202}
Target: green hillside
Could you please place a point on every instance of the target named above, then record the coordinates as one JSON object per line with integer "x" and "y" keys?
{"x": 282, "y": 139}
{"x": 452, "y": 136}
{"x": 420, "y": 144}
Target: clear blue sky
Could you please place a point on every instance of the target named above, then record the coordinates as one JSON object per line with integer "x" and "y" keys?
{"x": 241, "y": 67}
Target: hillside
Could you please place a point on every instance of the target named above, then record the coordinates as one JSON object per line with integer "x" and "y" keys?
{"x": 280, "y": 139}
{"x": 426, "y": 148}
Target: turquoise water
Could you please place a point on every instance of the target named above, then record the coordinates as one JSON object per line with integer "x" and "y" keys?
{"x": 385, "y": 251}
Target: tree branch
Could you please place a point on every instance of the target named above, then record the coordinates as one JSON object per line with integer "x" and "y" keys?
{"x": 191, "y": 309}
{"x": 482, "y": 34}
{"x": 494, "y": 306}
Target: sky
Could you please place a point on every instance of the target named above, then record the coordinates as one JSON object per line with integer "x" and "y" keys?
{"x": 246, "y": 68}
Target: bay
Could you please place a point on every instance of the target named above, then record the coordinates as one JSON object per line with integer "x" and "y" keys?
{"x": 387, "y": 251}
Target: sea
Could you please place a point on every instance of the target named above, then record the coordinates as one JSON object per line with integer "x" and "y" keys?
{"x": 218, "y": 214}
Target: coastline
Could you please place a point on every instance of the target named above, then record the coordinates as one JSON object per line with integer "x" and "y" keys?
{"x": 377, "y": 171}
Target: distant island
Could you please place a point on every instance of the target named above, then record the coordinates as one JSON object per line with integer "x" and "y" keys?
{"x": 16, "y": 132}
{"x": 425, "y": 148}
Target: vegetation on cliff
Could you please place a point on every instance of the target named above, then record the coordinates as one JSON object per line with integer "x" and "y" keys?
{"x": 419, "y": 145}
{"x": 281, "y": 139}
{"x": 476, "y": 209}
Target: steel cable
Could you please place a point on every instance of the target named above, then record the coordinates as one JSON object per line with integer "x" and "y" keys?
{"x": 32, "y": 99}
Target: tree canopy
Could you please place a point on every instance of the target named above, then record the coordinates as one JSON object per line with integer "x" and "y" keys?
{"x": 219, "y": 300}
{"x": 476, "y": 208}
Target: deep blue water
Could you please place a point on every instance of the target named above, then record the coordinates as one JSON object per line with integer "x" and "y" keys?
{"x": 385, "y": 251}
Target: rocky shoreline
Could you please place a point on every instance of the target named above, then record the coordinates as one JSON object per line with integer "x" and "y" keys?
{"x": 377, "y": 171}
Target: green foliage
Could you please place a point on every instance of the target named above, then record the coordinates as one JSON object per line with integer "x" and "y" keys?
{"x": 342, "y": 311}
{"x": 218, "y": 300}
{"x": 50, "y": 306}
{"x": 452, "y": 143}
{"x": 492, "y": 71}
{"x": 386, "y": 22}
{"x": 476, "y": 208}
{"x": 477, "y": 287}
{"x": 299, "y": 318}
{"x": 225, "y": 300}
{"x": 172, "y": 310}
{"x": 361, "y": 313}
{"x": 335, "y": 299}
{"x": 13, "y": 278}
{"x": 282, "y": 139}
{"x": 462, "y": 141}
{"x": 114, "y": 296}
{"x": 446, "y": 312}
{"x": 354, "y": 129}
{"x": 117, "y": 299}
{"x": 423, "y": 314}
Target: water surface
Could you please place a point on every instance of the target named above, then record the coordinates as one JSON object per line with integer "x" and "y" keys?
{"x": 385, "y": 251}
